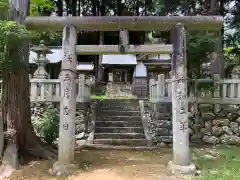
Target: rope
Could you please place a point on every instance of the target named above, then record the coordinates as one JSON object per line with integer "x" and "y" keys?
{"x": 180, "y": 79}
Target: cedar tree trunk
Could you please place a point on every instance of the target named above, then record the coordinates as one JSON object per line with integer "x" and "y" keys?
{"x": 20, "y": 139}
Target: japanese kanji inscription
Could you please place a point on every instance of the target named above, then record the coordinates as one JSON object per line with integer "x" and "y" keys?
{"x": 66, "y": 110}
{"x": 67, "y": 79}
{"x": 183, "y": 126}
{"x": 65, "y": 126}
{"x": 68, "y": 57}
{"x": 66, "y": 93}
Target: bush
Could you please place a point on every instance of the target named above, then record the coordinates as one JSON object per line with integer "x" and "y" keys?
{"x": 99, "y": 89}
{"x": 46, "y": 124}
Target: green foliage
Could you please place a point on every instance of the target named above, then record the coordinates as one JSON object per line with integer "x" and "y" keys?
{"x": 41, "y": 7}
{"x": 99, "y": 89}
{"x": 230, "y": 57}
{"x": 224, "y": 167}
{"x": 11, "y": 38}
{"x": 50, "y": 38}
{"x": 199, "y": 47}
{"x": 206, "y": 86}
{"x": 44, "y": 8}
{"x": 3, "y": 8}
{"x": 47, "y": 124}
{"x": 232, "y": 52}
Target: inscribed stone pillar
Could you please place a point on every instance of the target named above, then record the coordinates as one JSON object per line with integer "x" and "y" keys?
{"x": 181, "y": 160}
{"x": 68, "y": 97}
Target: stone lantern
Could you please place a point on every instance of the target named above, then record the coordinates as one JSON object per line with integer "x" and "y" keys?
{"x": 236, "y": 72}
{"x": 207, "y": 69}
{"x": 41, "y": 60}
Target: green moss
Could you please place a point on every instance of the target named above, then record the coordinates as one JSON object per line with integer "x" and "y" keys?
{"x": 225, "y": 167}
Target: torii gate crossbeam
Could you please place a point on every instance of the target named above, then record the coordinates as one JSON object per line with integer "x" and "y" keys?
{"x": 131, "y": 23}
{"x": 130, "y": 49}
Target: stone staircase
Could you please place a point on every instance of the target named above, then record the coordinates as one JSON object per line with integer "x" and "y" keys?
{"x": 119, "y": 123}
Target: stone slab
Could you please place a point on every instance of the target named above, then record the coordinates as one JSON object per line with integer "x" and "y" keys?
{"x": 182, "y": 170}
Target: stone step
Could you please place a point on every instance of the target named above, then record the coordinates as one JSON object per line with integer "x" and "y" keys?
{"x": 129, "y": 142}
{"x": 119, "y": 136}
{"x": 119, "y": 118}
{"x": 119, "y": 130}
{"x": 119, "y": 147}
{"x": 121, "y": 101}
{"x": 118, "y": 113}
{"x": 118, "y": 124}
{"x": 119, "y": 107}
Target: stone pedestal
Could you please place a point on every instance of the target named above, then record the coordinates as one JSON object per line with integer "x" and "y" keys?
{"x": 178, "y": 169}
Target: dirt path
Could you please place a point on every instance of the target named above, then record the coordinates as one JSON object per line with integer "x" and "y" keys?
{"x": 107, "y": 165}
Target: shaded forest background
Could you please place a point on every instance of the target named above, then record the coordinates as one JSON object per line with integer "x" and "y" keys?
{"x": 200, "y": 44}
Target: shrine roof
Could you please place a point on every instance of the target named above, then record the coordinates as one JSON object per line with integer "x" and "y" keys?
{"x": 111, "y": 59}
{"x": 85, "y": 67}
{"x": 119, "y": 59}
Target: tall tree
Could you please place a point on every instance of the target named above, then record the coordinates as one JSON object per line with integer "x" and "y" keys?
{"x": 20, "y": 137}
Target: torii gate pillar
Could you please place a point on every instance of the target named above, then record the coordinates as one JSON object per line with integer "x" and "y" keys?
{"x": 66, "y": 145}
{"x": 181, "y": 158}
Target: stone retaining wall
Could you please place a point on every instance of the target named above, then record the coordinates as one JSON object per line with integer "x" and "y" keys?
{"x": 83, "y": 118}
{"x": 212, "y": 125}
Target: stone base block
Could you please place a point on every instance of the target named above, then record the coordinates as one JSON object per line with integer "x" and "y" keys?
{"x": 60, "y": 169}
{"x": 182, "y": 170}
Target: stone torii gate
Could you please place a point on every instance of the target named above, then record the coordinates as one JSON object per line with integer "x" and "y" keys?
{"x": 181, "y": 161}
